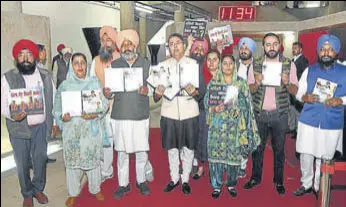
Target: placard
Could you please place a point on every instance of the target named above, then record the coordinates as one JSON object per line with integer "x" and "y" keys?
{"x": 196, "y": 28}
{"x": 29, "y": 101}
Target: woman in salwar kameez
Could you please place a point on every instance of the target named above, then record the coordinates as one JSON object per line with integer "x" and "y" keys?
{"x": 232, "y": 131}
{"x": 82, "y": 135}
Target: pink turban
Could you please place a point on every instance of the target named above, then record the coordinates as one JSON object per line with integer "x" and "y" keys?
{"x": 204, "y": 44}
{"x": 128, "y": 34}
{"x": 110, "y": 31}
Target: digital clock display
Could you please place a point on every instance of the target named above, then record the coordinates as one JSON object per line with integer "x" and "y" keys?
{"x": 237, "y": 13}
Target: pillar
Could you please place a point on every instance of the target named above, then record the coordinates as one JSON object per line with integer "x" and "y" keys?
{"x": 127, "y": 15}
{"x": 143, "y": 36}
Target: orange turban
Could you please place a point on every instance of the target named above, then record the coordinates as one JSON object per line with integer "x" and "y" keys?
{"x": 110, "y": 31}
{"x": 128, "y": 34}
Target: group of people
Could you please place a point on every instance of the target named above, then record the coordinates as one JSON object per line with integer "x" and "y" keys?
{"x": 192, "y": 130}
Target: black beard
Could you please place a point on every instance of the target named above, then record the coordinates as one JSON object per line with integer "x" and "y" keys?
{"x": 106, "y": 53}
{"x": 326, "y": 62}
{"x": 271, "y": 56}
{"x": 196, "y": 57}
{"x": 243, "y": 56}
{"x": 26, "y": 69}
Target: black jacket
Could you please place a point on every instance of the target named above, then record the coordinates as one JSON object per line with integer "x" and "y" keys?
{"x": 301, "y": 64}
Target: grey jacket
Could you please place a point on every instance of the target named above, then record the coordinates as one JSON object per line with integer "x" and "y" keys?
{"x": 20, "y": 129}
{"x": 131, "y": 105}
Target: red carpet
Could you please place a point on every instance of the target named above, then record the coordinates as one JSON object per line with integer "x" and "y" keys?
{"x": 263, "y": 195}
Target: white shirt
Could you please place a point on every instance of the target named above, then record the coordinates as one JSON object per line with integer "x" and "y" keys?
{"x": 296, "y": 57}
{"x": 242, "y": 71}
{"x": 30, "y": 82}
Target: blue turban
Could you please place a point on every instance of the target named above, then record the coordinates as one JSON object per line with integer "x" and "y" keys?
{"x": 249, "y": 43}
{"x": 331, "y": 39}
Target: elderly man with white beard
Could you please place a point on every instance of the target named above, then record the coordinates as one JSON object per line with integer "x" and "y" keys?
{"x": 130, "y": 116}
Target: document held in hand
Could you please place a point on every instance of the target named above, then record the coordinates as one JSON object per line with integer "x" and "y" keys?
{"x": 123, "y": 79}
{"x": 78, "y": 102}
{"x": 25, "y": 100}
{"x": 271, "y": 72}
{"x": 324, "y": 89}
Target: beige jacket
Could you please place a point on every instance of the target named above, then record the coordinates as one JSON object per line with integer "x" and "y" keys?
{"x": 180, "y": 107}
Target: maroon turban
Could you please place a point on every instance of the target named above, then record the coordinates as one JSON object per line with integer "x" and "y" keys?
{"x": 27, "y": 44}
{"x": 60, "y": 47}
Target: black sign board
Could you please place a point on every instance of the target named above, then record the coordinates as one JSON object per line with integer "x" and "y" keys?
{"x": 217, "y": 95}
{"x": 196, "y": 28}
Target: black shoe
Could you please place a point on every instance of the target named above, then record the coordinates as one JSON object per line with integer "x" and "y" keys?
{"x": 315, "y": 193}
{"x": 216, "y": 193}
{"x": 120, "y": 192}
{"x": 170, "y": 186}
{"x": 250, "y": 184}
{"x": 280, "y": 189}
{"x": 144, "y": 188}
{"x": 51, "y": 160}
{"x": 197, "y": 176}
{"x": 232, "y": 192}
{"x": 186, "y": 188}
{"x": 301, "y": 191}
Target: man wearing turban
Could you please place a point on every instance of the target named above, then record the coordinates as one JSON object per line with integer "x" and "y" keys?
{"x": 198, "y": 51}
{"x": 130, "y": 115}
{"x": 28, "y": 133}
{"x": 247, "y": 48}
{"x": 320, "y": 123}
{"x": 63, "y": 65}
{"x": 108, "y": 53}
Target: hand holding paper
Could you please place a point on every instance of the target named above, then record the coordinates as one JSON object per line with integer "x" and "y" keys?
{"x": 107, "y": 92}
{"x": 333, "y": 102}
{"x": 160, "y": 90}
{"x": 190, "y": 89}
{"x": 66, "y": 117}
{"x": 143, "y": 90}
{"x": 19, "y": 116}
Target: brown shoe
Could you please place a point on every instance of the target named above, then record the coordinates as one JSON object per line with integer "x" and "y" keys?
{"x": 99, "y": 196}
{"x": 41, "y": 198}
{"x": 70, "y": 201}
{"x": 28, "y": 202}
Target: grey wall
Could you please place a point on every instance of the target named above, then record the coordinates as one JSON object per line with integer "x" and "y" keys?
{"x": 16, "y": 26}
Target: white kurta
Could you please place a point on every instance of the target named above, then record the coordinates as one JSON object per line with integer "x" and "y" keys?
{"x": 131, "y": 136}
{"x": 322, "y": 143}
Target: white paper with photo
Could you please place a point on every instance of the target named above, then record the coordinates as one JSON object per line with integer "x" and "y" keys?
{"x": 271, "y": 72}
{"x": 231, "y": 95}
{"x": 91, "y": 101}
{"x": 114, "y": 79}
{"x": 189, "y": 74}
{"x": 71, "y": 102}
{"x": 159, "y": 75}
{"x": 133, "y": 78}
{"x": 325, "y": 89}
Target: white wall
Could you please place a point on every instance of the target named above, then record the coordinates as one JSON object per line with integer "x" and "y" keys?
{"x": 68, "y": 18}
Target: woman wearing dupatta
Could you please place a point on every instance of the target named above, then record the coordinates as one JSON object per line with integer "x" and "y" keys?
{"x": 82, "y": 135}
{"x": 232, "y": 131}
